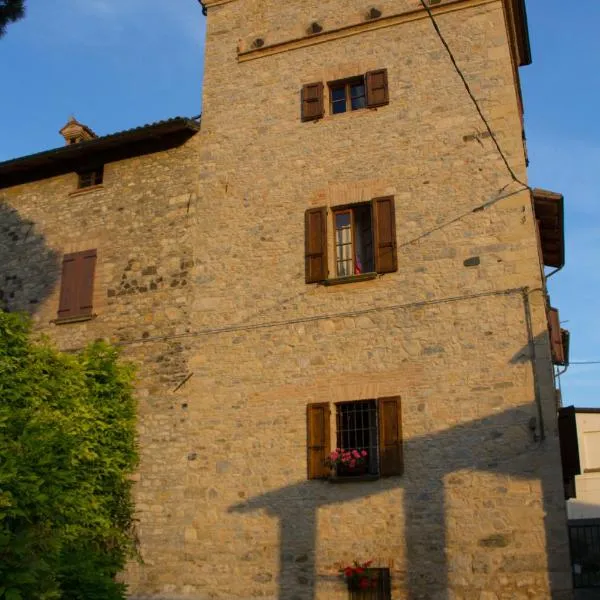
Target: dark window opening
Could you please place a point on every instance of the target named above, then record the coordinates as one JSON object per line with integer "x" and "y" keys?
{"x": 354, "y": 241}
{"x": 379, "y": 586}
{"x": 90, "y": 178}
{"x": 357, "y": 429}
{"x": 348, "y": 95}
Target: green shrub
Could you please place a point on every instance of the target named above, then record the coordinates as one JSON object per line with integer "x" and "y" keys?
{"x": 67, "y": 450}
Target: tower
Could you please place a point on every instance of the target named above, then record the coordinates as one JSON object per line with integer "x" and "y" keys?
{"x": 368, "y": 276}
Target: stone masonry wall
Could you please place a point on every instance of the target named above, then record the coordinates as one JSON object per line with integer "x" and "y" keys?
{"x": 140, "y": 222}
{"x": 201, "y": 277}
{"x": 479, "y": 512}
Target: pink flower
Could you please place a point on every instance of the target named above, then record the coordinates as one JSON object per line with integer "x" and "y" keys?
{"x": 334, "y": 456}
{"x": 355, "y": 453}
{"x": 363, "y": 453}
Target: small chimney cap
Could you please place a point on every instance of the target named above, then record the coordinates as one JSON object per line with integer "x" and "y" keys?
{"x": 75, "y": 132}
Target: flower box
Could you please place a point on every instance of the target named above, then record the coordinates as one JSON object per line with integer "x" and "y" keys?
{"x": 362, "y": 581}
{"x": 342, "y": 470}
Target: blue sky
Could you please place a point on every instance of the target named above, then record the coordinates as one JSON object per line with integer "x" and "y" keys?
{"x": 116, "y": 64}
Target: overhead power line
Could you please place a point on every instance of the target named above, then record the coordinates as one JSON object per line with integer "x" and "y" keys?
{"x": 584, "y": 362}
{"x": 471, "y": 94}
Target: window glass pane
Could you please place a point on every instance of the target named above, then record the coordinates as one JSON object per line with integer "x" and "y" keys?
{"x": 338, "y": 94}
{"x": 357, "y": 89}
{"x": 344, "y": 269}
{"x": 363, "y": 240}
{"x": 343, "y": 243}
{"x": 338, "y": 100}
{"x": 359, "y": 102}
{"x": 342, "y": 220}
{"x": 357, "y": 96}
{"x": 338, "y": 107}
{"x": 356, "y": 424}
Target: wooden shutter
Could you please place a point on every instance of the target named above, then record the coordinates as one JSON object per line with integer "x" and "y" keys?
{"x": 384, "y": 227}
{"x": 86, "y": 282}
{"x": 391, "y": 457}
{"x": 77, "y": 285}
{"x": 377, "y": 88}
{"x": 318, "y": 439}
{"x": 316, "y": 244}
{"x": 312, "y": 101}
{"x": 556, "y": 342}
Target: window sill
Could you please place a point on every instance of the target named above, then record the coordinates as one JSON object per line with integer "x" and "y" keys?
{"x": 86, "y": 190}
{"x": 67, "y": 320}
{"x": 350, "y": 279}
{"x": 356, "y": 479}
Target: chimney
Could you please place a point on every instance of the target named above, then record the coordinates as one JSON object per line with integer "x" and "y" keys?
{"x": 75, "y": 132}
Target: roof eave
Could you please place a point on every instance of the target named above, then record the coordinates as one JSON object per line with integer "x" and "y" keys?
{"x": 549, "y": 211}
{"x": 516, "y": 12}
{"x": 126, "y": 144}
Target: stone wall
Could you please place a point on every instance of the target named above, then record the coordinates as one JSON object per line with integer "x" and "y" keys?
{"x": 204, "y": 285}
{"x": 479, "y": 511}
{"x": 140, "y": 221}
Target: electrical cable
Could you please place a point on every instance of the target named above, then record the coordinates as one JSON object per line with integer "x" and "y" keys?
{"x": 584, "y": 362}
{"x": 471, "y": 95}
{"x": 478, "y": 208}
{"x": 313, "y": 318}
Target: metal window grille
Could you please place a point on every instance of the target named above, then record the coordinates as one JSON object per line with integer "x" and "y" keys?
{"x": 357, "y": 429}
{"x": 584, "y": 538}
{"x": 381, "y": 592}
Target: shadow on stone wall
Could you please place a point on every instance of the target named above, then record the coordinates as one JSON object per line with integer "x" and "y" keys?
{"x": 501, "y": 444}
{"x": 29, "y": 269}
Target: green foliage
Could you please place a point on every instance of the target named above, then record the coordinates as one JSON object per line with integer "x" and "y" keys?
{"x": 10, "y": 11}
{"x": 67, "y": 449}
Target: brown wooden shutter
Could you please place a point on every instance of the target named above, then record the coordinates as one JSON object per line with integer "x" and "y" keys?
{"x": 556, "y": 342}
{"x": 77, "y": 285}
{"x": 86, "y": 282}
{"x": 377, "y": 88}
{"x": 67, "y": 306}
{"x": 312, "y": 101}
{"x": 318, "y": 439}
{"x": 391, "y": 457}
{"x": 384, "y": 227}
{"x": 316, "y": 244}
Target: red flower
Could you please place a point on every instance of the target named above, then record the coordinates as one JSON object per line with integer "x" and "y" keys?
{"x": 359, "y": 570}
{"x": 348, "y": 571}
{"x": 363, "y": 583}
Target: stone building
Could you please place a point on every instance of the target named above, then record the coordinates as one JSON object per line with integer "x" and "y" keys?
{"x": 341, "y": 257}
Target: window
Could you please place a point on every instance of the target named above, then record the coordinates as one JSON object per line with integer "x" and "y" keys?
{"x": 381, "y": 591}
{"x": 90, "y": 178}
{"x": 371, "y": 425}
{"x": 363, "y": 91}
{"x": 353, "y": 241}
{"x": 356, "y": 429}
{"x": 347, "y": 95}
{"x": 77, "y": 286}
{"x": 364, "y": 239}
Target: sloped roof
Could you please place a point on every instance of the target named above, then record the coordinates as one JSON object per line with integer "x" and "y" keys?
{"x": 137, "y": 141}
